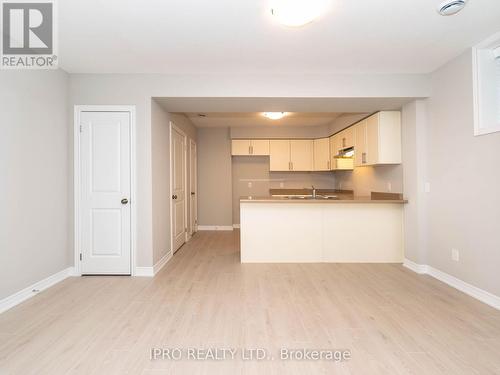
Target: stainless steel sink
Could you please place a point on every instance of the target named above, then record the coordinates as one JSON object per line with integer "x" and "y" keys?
{"x": 306, "y": 197}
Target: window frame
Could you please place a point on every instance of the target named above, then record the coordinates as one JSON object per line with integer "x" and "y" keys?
{"x": 491, "y": 43}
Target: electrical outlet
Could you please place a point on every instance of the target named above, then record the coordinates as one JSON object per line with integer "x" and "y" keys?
{"x": 455, "y": 255}
{"x": 427, "y": 187}
{"x": 389, "y": 187}
{"x": 250, "y": 184}
{"x": 282, "y": 185}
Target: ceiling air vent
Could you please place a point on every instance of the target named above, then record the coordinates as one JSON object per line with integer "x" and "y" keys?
{"x": 451, "y": 7}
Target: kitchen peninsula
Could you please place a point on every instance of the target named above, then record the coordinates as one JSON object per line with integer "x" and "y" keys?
{"x": 333, "y": 226}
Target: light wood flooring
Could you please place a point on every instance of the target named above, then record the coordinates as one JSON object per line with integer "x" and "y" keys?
{"x": 393, "y": 320}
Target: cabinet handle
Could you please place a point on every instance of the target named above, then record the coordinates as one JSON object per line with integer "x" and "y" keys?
{"x": 363, "y": 157}
{"x": 249, "y": 150}
{"x": 251, "y": 147}
{"x": 343, "y": 142}
{"x": 328, "y": 165}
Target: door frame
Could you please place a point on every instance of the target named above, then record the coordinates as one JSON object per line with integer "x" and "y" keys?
{"x": 195, "y": 210}
{"x": 172, "y": 126}
{"x": 78, "y": 109}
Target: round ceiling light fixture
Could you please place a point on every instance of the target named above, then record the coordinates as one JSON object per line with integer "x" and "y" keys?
{"x": 451, "y": 7}
{"x": 274, "y": 115}
{"x": 296, "y": 13}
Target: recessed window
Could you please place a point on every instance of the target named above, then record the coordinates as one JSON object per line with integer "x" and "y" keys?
{"x": 486, "y": 70}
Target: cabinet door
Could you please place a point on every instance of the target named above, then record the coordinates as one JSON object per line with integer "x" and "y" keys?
{"x": 348, "y": 137}
{"x": 372, "y": 139}
{"x": 360, "y": 143}
{"x": 301, "y": 155}
{"x": 333, "y": 152}
{"x": 322, "y": 154}
{"x": 240, "y": 147}
{"x": 260, "y": 147}
{"x": 279, "y": 152}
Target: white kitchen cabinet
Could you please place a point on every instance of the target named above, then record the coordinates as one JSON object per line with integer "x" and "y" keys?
{"x": 249, "y": 147}
{"x": 345, "y": 138}
{"x": 301, "y": 155}
{"x": 240, "y": 147}
{"x": 291, "y": 155}
{"x": 279, "y": 152}
{"x": 260, "y": 147}
{"x": 360, "y": 144}
{"x": 378, "y": 139}
{"x": 322, "y": 154}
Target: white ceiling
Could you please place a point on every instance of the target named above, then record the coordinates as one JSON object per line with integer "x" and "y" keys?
{"x": 248, "y": 119}
{"x": 240, "y": 36}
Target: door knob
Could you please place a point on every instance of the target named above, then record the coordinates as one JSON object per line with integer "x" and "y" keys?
{"x": 174, "y": 196}
{"x": 124, "y": 201}
{"x": 193, "y": 193}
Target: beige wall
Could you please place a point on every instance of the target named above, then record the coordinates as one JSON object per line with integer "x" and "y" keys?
{"x": 463, "y": 171}
{"x": 214, "y": 177}
{"x": 34, "y": 173}
{"x": 160, "y": 158}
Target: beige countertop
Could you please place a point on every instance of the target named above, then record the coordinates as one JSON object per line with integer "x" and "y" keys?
{"x": 340, "y": 197}
{"x": 351, "y": 199}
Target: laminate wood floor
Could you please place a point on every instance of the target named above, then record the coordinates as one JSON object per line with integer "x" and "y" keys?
{"x": 392, "y": 320}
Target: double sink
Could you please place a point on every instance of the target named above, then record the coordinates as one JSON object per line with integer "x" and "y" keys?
{"x": 318, "y": 197}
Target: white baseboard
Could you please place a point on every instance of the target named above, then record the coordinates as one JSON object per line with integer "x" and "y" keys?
{"x": 161, "y": 263}
{"x": 34, "y": 289}
{"x": 415, "y": 267}
{"x": 236, "y": 226}
{"x": 144, "y": 272}
{"x": 215, "y": 227}
{"x": 151, "y": 271}
{"x": 471, "y": 290}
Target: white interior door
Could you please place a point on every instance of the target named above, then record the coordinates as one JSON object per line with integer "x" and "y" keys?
{"x": 178, "y": 151}
{"x": 105, "y": 192}
{"x": 193, "y": 183}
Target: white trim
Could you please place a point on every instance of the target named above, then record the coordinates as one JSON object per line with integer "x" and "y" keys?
{"x": 415, "y": 267}
{"x": 476, "y": 82}
{"x": 161, "y": 263}
{"x": 76, "y": 179}
{"x": 215, "y": 227}
{"x": 144, "y": 272}
{"x": 471, "y": 290}
{"x": 152, "y": 271}
{"x": 173, "y": 126}
{"x": 32, "y": 290}
{"x": 193, "y": 212}
{"x": 236, "y": 226}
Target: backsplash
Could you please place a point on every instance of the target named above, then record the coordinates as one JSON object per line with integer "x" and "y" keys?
{"x": 251, "y": 177}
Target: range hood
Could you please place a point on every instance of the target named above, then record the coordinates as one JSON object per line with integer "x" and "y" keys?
{"x": 346, "y": 153}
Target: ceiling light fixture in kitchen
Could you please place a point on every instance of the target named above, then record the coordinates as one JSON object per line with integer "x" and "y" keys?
{"x": 274, "y": 115}
{"x": 296, "y": 13}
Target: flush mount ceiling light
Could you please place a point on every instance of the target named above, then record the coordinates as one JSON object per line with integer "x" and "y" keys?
{"x": 451, "y": 7}
{"x": 274, "y": 115}
{"x": 296, "y": 13}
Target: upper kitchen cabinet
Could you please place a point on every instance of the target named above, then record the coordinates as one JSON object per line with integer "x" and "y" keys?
{"x": 377, "y": 139}
{"x": 345, "y": 138}
{"x": 322, "y": 154}
{"x": 279, "y": 152}
{"x": 291, "y": 155}
{"x": 247, "y": 147}
{"x": 302, "y": 155}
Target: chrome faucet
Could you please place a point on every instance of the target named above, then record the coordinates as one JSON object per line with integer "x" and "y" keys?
{"x": 313, "y": 192}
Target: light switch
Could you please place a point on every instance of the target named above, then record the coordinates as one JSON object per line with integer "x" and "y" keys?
{"x": 427, "y": 187}
{"x": 250, "y": 184}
